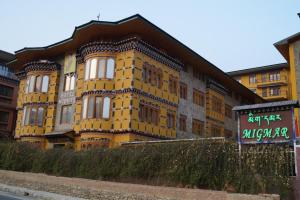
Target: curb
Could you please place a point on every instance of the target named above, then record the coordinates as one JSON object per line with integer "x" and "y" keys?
{"x": 35, "y": 194}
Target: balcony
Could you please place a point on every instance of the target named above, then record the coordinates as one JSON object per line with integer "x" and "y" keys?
{"x": 275, "y": 82}
{"x": 281, "y": 95}
{"x": 6, "y": 73}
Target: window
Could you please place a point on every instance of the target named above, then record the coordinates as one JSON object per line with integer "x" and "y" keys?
{"x": 99, "y": 68}
{"x": 252, "y": 79}
{"x": 4, "y": 116}
{"x": 69, "y": 82}
{"x": 31, "y": 84}
{"x": 106, "y": 107}
{"x": 216, "y": 104}
{"x": 40, "y": 116}
{"x": 26, "y": 114}
{"x": 91, "y": 108}
{"x": 264, "y": 92}
{"x": 198, "y": 97}
{"x": 197, "y": 74}
{"x": 66, "y": 114}
{"x": 171, "y": 119}
{"x": 274, "y": 91}
{"x": 96, "y": 107}
{"x": 6, "y": 91}
{"x": 173, "y": 85}
{"x": 182, "y": 123}
{"x": 84, "y": 107}
{"x": 37, "y": 84}
{"x": 152, "y": 75}
{"x": 148, "y": 113}
{"x": 198, "y": 127}
{"x": 183, "y": 90}
{"x": 264, "y": 77}
{"x": 33, "y": 115}
{"x": 275, "y": 76}
{"x": 216, "y": 131}
{"x": 228, "y": 111}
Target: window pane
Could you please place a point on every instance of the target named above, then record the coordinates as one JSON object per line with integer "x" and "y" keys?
{"x": 40, "y": 116}
{"x": 32, "y": 83}
{"x": 110, "y": 69}
{"x": 38, "y": 83}
{"x": 84, "y": 107}
{"x": 87, "y": 69}
{"x": 72, "y": 83}
{"x": 27, "y": 116}
{"x": 106, "y": 107}
{"x": 69, "y": 114}
{"x": 98, "y": 107}
{"x": 27, "y": 85}
{"x": 93, "y": 68}
{"x": 32, "y": 116}
{"x": 24, "y": 115}
{"x": 101, "y": 68}
{"x": 67, "y": 83}
{"x": 91, "y": 107}
{"x": 45, "y": 83}
{"x": 66, "y": 114}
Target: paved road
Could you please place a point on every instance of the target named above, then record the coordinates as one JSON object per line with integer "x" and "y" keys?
{"x": 8, "y": 196}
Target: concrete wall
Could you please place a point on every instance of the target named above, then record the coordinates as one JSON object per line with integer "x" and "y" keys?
{"x": 186, "y": 106}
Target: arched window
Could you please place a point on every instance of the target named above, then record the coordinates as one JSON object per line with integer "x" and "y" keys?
{"x": 110, "y": 69}
{"x": 99, "y": 68}
{"x": 106, "y": 107}
{"x": 45, "y": 84}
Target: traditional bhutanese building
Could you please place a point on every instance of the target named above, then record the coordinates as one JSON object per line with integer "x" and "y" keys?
{"x": 271, "y": 82}
{"x": 114, "y": 82}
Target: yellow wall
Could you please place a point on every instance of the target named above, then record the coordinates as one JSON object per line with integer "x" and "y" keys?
{"x": 283, "y": 83}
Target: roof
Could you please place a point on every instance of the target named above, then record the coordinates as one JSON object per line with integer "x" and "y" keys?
{"x": 6, "y": 56}
{"x": 283, "y": 45}
{"x": 134, "y": 25}
{"x": 290, "y": 103}
{"x": 259, "y": 69}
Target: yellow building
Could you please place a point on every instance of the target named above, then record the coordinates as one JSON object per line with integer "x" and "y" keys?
{"x": 271, "y": 82}
{"x": 114, "y": 82}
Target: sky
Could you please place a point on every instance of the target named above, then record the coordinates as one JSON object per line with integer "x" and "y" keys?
{"x": 232, "y": 34}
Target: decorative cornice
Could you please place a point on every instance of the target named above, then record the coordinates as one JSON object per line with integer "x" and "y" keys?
{"x": 127, "y": 90}
{"x": 141, "y": 133}
{"x": 133, "y": 43}
{"x": 41, "y": 66}
{"x": 21, "y": 75}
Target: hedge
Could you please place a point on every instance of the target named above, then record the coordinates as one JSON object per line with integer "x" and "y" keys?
{"x": 201, "y": 164}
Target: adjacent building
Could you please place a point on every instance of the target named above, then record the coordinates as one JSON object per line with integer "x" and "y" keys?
{"x": 8, "y": 97}
{"x": 114, "y": 82}
{"x": 271, "y": 82}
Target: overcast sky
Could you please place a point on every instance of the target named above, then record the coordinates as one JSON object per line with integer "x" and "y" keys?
{"x": 232, "y": 34}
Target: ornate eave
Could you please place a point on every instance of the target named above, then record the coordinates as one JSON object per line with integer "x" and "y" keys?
{"x": 133, "y": 43}
{"x": 41, "y": 66}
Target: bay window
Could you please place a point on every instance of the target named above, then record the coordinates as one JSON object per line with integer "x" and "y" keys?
{"x": 33, "y": 115}
{"x": 100, "y": 67}
{"x": 37, "y": 84}
{"x": 96, "y": 107}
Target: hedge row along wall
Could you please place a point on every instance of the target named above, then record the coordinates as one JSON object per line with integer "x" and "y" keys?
{"x": 202, "y": 164}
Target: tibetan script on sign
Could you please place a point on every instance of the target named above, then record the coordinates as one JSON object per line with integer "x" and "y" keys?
{"x": 266, "y": 127}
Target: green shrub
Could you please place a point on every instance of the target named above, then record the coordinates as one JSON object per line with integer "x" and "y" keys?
{"x": 202, "y": 164}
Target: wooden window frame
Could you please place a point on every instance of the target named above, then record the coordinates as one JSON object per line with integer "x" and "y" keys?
{"x": 182, "y": 122}
{"x": 98, "y": 58}
{"x": 94, "y": 97}
{"x": 183, "y": 90}
{"x": 228, "y": 111}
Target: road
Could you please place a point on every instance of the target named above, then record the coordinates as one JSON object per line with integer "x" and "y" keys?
{"x": 9, "y": 196}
